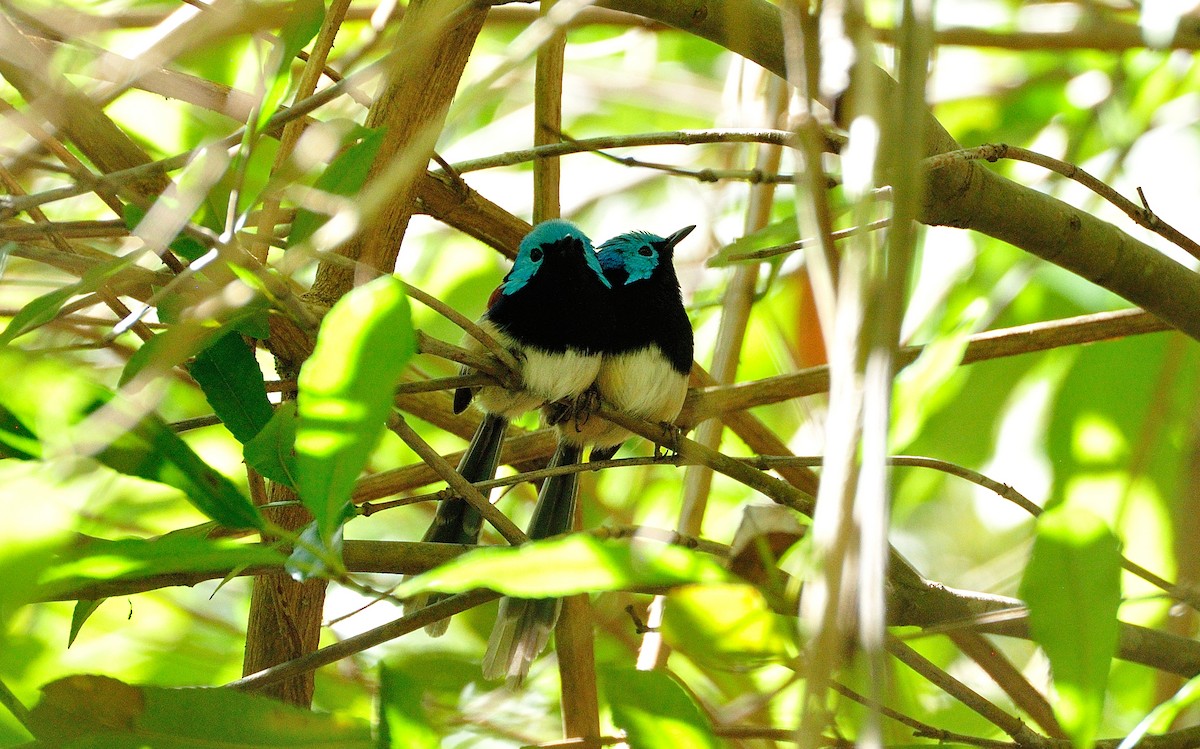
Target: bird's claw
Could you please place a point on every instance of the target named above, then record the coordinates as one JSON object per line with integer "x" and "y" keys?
{"x": 669, "y": 448}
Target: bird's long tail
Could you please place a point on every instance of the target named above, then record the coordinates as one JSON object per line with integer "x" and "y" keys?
{"x": 523, "y": 625}
{"x": 457, "y": 521}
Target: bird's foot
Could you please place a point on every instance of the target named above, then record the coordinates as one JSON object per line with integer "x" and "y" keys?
{"x": 668, "y": 449}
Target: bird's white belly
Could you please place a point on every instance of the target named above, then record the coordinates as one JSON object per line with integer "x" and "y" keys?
{"x": 643, "y": 384}
{"x": 547, "y": 376}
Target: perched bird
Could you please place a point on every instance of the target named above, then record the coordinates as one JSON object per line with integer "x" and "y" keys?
{"x": 646, "y": 339}
{"x": 540, "y": 314}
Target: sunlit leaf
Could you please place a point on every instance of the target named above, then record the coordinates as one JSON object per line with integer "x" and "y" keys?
{"x": 99, "y": 561}
{"x": 99, "y": 711}
{"x": 772, "y": 235}
{"x": 566, "y": 566}
{"x": 1072, "y": 586}
{"x": 345, "y": 394}
{"x": 59, "y": 399}
{"x": 83, "y": 610}
{"x": 1162, "y": 717}
{"x": 727, "y": 626}
{"x": 655, "y": 710}
{"x": 30, "y": 538}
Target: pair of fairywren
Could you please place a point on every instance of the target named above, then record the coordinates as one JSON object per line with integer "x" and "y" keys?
{"x": 581, "y": 322}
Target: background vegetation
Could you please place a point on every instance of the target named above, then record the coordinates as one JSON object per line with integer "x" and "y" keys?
{"x": 912, "y": 325}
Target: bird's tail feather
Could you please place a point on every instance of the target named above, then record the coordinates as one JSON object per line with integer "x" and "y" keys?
{"x": 523, "y": 625}
{"x": 456, "y": 520}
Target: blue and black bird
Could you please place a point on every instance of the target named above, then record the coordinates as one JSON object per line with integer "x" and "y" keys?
{"x": 646, "y": 338}
{"x": 541, "y": 313}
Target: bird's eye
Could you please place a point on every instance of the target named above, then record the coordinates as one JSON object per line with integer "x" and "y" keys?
{"x": 645, "y": 251}
{"x": 536, "y": 254}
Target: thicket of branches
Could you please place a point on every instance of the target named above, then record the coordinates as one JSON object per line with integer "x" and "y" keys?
{"x": 242, "y": 242}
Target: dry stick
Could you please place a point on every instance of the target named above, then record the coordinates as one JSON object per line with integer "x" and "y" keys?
{"x": 313, "y": 68}
{"x": 991, "y": 344}
{"x": 1141, "y": 214}
{"x": 461, "y": 486}
{"x": 753, "y": 176}
{"x": 767, "y": 253}
{"x": 1004, "y": 491}
{"x": 102, "y": 229}
{"x": 923, "y": 730}
{"x": 28, "y": 70}
{"x": 1010, "y": 679}
{"x": 71, "y": 164}
{"x": 674, "y": 137}
{"x": 360, "y": 642}
{"x": 104, "y": 292}
{"x": 504, "y": 355}
{"x": 369, "y": 557}
{"x": 370, "y": 507}
{"x": 437, "y": 37}
{"x": 1012, "y": 726}
{"x": 1099, "y": 33}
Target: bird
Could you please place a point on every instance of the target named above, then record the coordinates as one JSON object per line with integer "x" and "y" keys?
{"x": 647, "y": 346}
{"x": 539, "y": 314}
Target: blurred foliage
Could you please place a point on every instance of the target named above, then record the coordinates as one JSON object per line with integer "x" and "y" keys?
{"x": 96, "y": 489}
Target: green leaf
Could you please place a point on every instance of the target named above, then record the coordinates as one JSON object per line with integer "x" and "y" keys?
{"x": 727, "y": 626}
{"x": 189, "y": 337}
{"x": 83, "y": 610}
{"x": 772, "y": 235}
{"x": 656, "y": 711}
{"x": 152, "y": 350}
{"x": 566, "y": 566}
{"x": 59, "y": 399}
{"x": 100, "y": 561}
{"x": 1072, "y": 586}
{"x": 232, "y": 381}
{"x": 312, "y": 556}
{"x": 99, "y": 711}
{"x": 16, "y": 439}
{"x": 150, "y": 450}
{"x": 345, "y": 394}
{"x": 345, "y": 176}
{"x": 45, "y": 308}
{"x": 403, "y": 722}
{"x": 272, "y": 452}
{"x": 1162, "y": 717}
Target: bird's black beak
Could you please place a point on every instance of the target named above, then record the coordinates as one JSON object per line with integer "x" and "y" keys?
{"x": 678, "y": 236}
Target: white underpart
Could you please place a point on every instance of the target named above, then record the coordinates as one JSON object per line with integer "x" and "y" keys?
{"x": 642, "y": 383}
{"x": 548, "y": 377}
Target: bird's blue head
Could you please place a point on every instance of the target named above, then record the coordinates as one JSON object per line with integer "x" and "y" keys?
{"x": 639, "y": 252}
{"x": 545, "y": 237}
